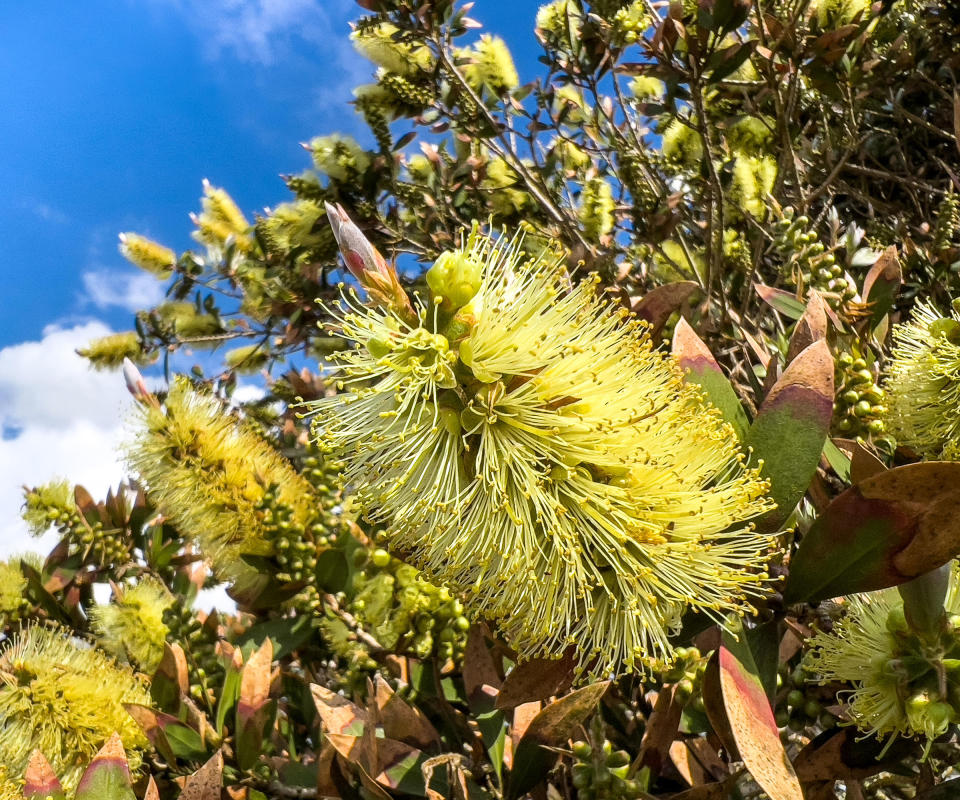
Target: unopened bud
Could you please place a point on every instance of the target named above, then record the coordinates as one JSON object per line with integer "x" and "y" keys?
{"x": 134, "y": 380}
{"x": 455, "y": 277}
{"x": 359, "y": 254}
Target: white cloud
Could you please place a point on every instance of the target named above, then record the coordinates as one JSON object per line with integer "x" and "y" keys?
{"x": 257, "y": 30}
{"x": 60, "y": 420}
{"x": 107, "y": 288}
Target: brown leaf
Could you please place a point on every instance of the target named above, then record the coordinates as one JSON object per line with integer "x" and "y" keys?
{"x": 811, "y": 327}
{"x": 537, "y": 679}
{"x": 255, "y": 679}
{"x": 523, "y": 715}
{"x": 661, "y": 729}
{"x": 479, "y": 666}
{"x": 402, "y": 721}
{"x": 152, "y": 793}
{"x": 658, "y": 304}
{"x": 885, "y": 269}
{"x": 864, "y": 464}
{"x": 338, "y": 715}
{"x": 205, "y": 783}
{"x": 173, "y": 666}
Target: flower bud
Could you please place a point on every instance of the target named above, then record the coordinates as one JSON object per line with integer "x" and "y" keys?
{"x": 455, "y": 278}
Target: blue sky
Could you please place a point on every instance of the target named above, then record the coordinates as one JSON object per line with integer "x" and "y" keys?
{"x": 113, "y": 111}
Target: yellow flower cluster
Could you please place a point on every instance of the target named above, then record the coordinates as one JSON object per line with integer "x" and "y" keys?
{"x": 537, "y": 455}
{"x": 221, "y": 219}
{"x": 208, "y": 472}
{"x": 131, "y": 628}
{"x": 489, "y": 65}
{"x": 923, "y": 383}
{"x": 64, "y": 698}
{"x": 148, "y": 255}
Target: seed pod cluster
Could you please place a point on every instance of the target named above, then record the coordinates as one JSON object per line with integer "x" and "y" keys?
{"x": 859, "y": 407}
{"x": 599, "y": 772}
{"x": 809, "y": 262}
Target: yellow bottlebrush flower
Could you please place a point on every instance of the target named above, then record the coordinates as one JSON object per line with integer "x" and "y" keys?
{"x": 681, "y": 144}
{"x": 9, "y": 788}
{"x": 420, "y": 168}
{"x": 13, "y": 587}
{"x": 537, "y": 455}
{"x": 559, "y": 23}
{"x": 832, "y": 14}
{"x": 246, "y": 359}
{"x": 208, "y": 473}
{"x": 339, "y": 156}
{"x": 676, "y": 264}
{"x": 187, "y": 320}
{"x": 905, "y": 683}
{"x": 377, "y": 43}
{"x": 630, "y": 22}
{"x": 923, "y": 383}
{"x": 147, "y": 254}
{"x": 64, "y": 698}
{"x": 293, "y": 228}
{"x": 570, "y": 155}
{"x": 568, "y": 101}
{"x": 46, "y": 505}
{"x": 131, "y": 627}
{"x": 489, "y": 65}
{"x": 220, "y": 219}
{"x": 501, "y": 180}
{"x": 596, "y": 209}
{"x": 108, "y": 352}
{"x": 750, "y": 135}
{"x": 753, "y": 180}
{"x": 645, "y": 87}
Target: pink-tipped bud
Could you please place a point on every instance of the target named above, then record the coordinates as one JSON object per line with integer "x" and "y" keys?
{"x": 135, "y": 383}
{"x": 360, "y": 256}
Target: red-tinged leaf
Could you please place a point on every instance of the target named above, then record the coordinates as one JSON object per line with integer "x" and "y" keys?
{"x": 779, "y": 300}
{"x": 40, "y": 781}
{"x": 658, "y": 304}
{"x": 108, "y": 775}
{"x": 402, "y": 721}
{"x": 349, "y": 747}
{"x": 791, "y": 428}
{"x": 701, "y": 368}
{"x": 152, "y": 723}
{"x": 205, "y": 783}
{"x": 254, "y": 708}
{"x": 812, "y": 326}
{"x": 337, "y": 714}
{"x": 523, "y": 715}
{"x": 881, "y": 532}
{"x": 551, "y": 727}
{"x": 751, "y": 721}
{"x": 882, "y": 284}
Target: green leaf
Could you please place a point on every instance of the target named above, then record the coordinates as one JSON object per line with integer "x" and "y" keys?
{"x": 286, "y": 634}
{"x": 332, "y": 570}
{"x": 550, "y": 728}
{"x": 701, "y": 368}
{"x": 729, "y": 60}
{"x": 887, "y": 529}
{"x": 838, "y": 460}
{"x": 494, "y": 735}
{"x": 108, "y": 776}
{"x": 751, "y": 719}
{"x": 791, "y": 428}
{"x": 784, "y": 302}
